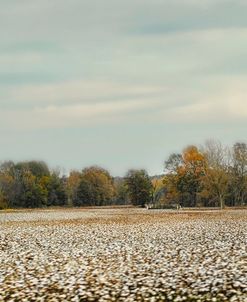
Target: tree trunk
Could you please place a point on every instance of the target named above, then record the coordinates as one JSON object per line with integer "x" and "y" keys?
{"x": 222, "y": 202}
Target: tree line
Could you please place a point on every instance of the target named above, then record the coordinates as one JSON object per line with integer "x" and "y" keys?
{"x": 211, "y": 175}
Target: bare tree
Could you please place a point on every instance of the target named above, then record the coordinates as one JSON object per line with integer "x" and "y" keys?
{"x": 216, "y": 179}
{"x": 239, "y": 175}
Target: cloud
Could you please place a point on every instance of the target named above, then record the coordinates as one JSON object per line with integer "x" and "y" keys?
{"x": 82, "y": 91}
{"x": 225, "y": 104}
{"x": 68, "y": 116}
{"x": 76, "y": 104}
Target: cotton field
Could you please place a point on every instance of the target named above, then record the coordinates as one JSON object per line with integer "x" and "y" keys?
{"x": 123, "y": 255}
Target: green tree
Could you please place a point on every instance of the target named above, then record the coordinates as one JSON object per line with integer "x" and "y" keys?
{"x": 121, "y": 196}
{"x": 56, "y": 188}
{"x": 20, "y": 187}
{"x": 139, "y": 187}
{"x": 184, "y": 178}
{"x": 37, "y": 168}
{"x": 32, "y": 194}
{"x": 72, "y": 186}
{"x": 8, "y": 186}
{"x": 95, "y": 188}
{"x": 3, "y": 201}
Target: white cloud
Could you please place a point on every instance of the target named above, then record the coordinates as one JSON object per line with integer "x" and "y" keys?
{"x": 78, "y": 103}
{"x": 83, "y": 91}
{"x": 73, "y": 115}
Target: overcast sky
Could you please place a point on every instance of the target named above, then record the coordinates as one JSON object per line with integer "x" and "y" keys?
{"x": 120, "y": 83}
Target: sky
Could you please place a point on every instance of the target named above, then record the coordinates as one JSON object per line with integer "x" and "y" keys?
{"x": 120, "y": 84}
